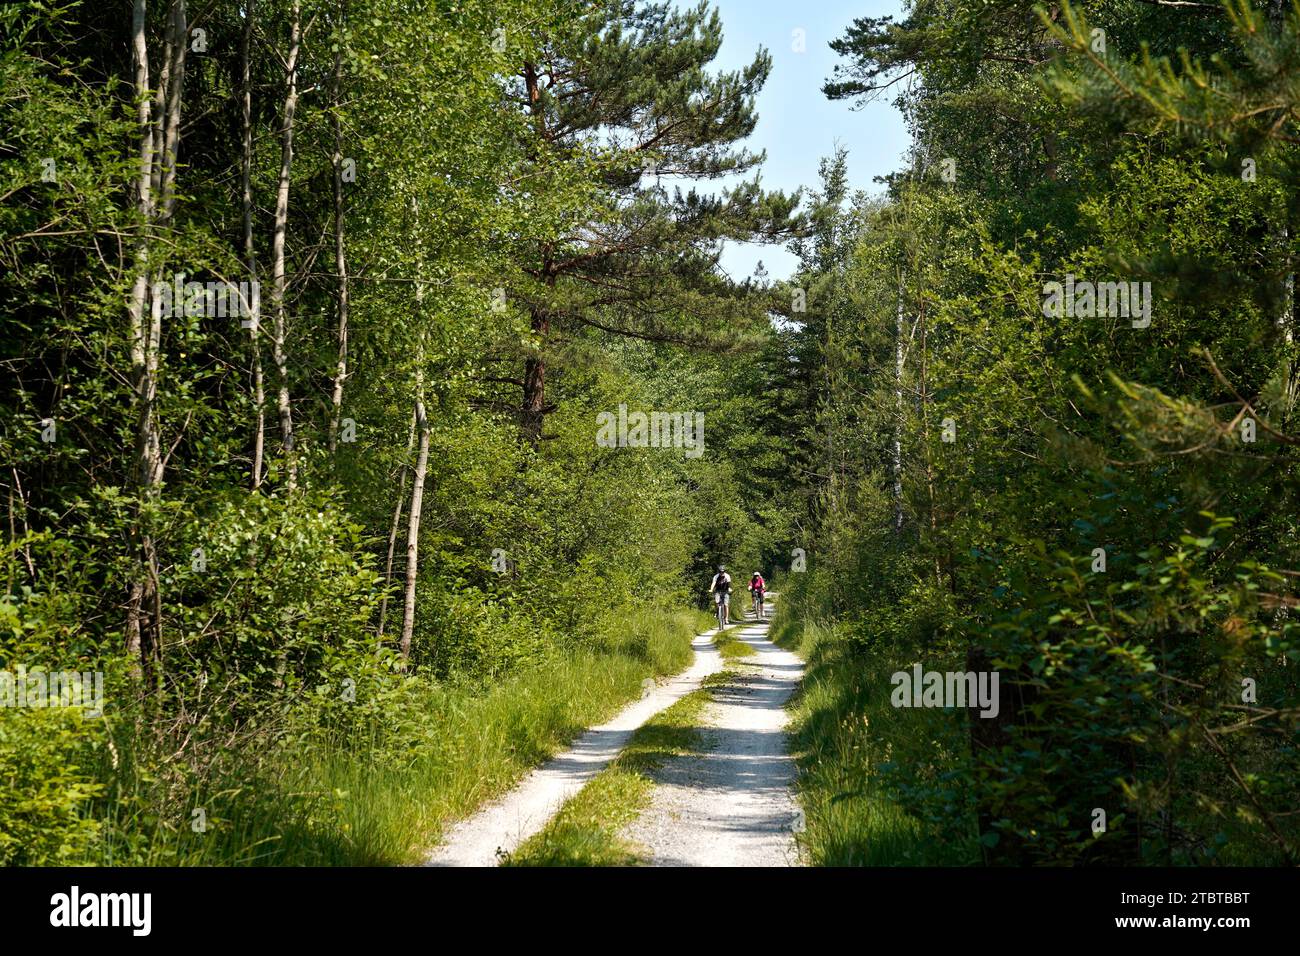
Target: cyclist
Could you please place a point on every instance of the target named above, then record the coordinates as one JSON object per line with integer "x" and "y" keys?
{"x": 720, "y": 588}
{"x": 758, "y": 588}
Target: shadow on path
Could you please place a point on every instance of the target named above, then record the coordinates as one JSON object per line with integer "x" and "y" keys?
{"x": 732, "y": 804}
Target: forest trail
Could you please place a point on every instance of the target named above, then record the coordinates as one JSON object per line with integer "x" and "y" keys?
{"x": 508, "y": 821}
{"x": 731, "y": 805}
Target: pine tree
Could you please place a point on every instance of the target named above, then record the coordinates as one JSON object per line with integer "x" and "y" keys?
{"x": 622, "y": 105}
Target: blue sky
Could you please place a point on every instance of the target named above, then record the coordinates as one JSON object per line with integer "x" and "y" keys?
{"x": 797, "y": 125}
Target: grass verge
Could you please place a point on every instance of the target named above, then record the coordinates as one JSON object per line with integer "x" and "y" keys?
{"x": 586, "y": 831}
{"x": 844, "y": 733}
{"x": 382, "y": 796}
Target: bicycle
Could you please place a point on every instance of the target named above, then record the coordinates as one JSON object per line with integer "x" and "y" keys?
{"x": 722, "y": 599}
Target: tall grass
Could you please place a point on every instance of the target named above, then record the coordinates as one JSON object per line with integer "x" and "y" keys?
{"x": 854, "y": 750}
{"x": 382, "y": 796}
{"x": 588, "y": 830}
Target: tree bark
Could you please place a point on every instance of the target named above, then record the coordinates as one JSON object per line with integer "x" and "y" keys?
{"x": 393, "y": 528}
{"x": 250, "y": 254}
{"x": 340, "y": 262}
{"x": 136, "y": 308}
{"x": 175, "y": 84}
{"x": 278, "y": 280}
{"x": 413, "y": 525}
{"x": 158, "y": 115}
{"x": 533, "y": 408}
{"x": 900, "y": 351}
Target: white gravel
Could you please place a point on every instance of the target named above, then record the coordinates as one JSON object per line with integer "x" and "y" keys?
{"x": 731, "y": 806}
{"x": 734, "y": 805}
{"x": 507, "y": 822}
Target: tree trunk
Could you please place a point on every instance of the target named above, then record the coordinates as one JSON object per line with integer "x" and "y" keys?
{"x": 829, "y": 412}
{"x": 932, "y": 500}
{"x": 158, "y": 108}
{"x": 392, "y": 529}
{"x": 413, "y": 525}
{"x": 533, "y": 408}
{"x": 136, "y": 307}
{"x": 159, "y": 123}
{"x": 250, "y": 255}
{"x": 171, "y": 125}
{"x": 532, "y": 411}
{"x": 1290, "y": 313}
{"x": 278, "y": 281}
{"x": 340, "y": 263}
{"x": 900, "y": 351}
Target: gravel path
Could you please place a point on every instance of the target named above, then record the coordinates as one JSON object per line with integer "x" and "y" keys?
{"x": 506, "y": 823}
{"x": 733, "y": 805}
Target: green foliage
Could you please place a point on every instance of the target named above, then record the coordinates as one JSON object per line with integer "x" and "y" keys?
{"x": 277, "y": 699}
{"x": 373, "y": 781}
{"x": 876, "y": 783}
{"x": 1069, "y": 438}
{"x": 43, "y": 756}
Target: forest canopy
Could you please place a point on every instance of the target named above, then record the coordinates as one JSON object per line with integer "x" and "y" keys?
{"x": 329, "y": 326}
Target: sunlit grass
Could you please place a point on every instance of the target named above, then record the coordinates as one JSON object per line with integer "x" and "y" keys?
{"x": 731, "y": 647}
{"x": 587, "y": 830}
{"x": 843, "y": 728}
{"x": 385, "y": 801}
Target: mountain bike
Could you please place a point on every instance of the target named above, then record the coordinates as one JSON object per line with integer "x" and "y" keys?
{"x": 722, "y": 599}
